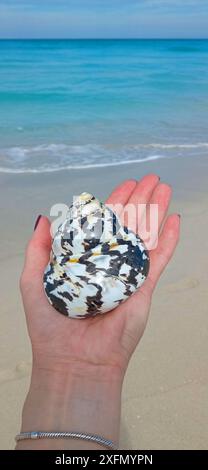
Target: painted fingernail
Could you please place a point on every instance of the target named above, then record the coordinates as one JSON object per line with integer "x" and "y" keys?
{"x": 179, "y": 215}
{"x": 37, "y": 222}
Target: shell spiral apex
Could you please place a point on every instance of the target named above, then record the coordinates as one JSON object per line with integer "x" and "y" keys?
{"x": 95, "y": 262}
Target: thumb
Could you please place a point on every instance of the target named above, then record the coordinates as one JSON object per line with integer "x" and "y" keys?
{"x": 38, "y": 249}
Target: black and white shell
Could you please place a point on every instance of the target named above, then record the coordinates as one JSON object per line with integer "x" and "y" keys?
{"x": 95, "y": 262}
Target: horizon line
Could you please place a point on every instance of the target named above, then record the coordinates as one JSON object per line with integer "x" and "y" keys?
{"x": 103, "y": 39}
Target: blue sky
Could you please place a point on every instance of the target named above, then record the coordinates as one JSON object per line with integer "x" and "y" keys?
{"x": 103, "y": 18}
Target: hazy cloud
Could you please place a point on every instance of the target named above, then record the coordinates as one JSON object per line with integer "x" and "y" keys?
{"x": 103, "y": 18}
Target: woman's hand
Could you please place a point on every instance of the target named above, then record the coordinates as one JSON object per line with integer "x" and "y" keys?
{"x": 104, "y": 341}
{"x": 91, "y": 353}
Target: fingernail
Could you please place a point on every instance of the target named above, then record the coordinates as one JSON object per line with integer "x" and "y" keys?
{"x": 179, "y": 215}
{"x": 159, "y": 178}
{"x": 37, "y": 222}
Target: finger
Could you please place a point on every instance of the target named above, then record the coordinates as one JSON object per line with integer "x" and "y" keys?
{"x": 36, "y": 258}
{"x": 121, "y": 194}
{"x": 160, "y": 198}
{"x": 140, "y": 196}
{"x": 38, "y": 249}
{"x": 160, "y": 257}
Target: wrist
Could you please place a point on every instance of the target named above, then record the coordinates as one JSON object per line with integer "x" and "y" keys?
{"x": 73, "y": 400}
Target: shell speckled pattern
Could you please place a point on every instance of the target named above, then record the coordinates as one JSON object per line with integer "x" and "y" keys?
{"x": 95, "y": 262}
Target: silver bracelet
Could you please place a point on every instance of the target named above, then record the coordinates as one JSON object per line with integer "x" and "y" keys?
{"x": 66, "y": 435}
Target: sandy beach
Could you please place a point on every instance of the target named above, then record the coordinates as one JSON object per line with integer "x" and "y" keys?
{"x": 166, "y": 387}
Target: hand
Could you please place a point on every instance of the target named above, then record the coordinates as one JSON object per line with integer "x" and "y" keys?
{"x": 79, "y": 365}
{"x": 104, "y": 342}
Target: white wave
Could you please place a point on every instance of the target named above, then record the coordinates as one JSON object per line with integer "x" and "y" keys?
{"x": 53, "y": 148}
{"x": 178, "y": 146}
{"x": 54, "y": 157}
{"x": 79, "y": 167}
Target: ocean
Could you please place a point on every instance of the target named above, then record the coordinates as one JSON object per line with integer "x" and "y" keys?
{"x": 86, "y": 103}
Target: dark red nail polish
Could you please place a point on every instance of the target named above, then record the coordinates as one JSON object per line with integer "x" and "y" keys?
{"x": 37, "y": 222}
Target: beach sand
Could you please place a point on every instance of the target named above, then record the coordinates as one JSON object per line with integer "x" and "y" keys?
{"x": 166, "y": 386}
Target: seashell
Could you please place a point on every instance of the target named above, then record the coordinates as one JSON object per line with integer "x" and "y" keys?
{"x": 95, "y": 262}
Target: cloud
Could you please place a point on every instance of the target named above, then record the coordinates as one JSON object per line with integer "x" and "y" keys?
{"x": 102, "y": 4}
{"x": 105, "y": 6}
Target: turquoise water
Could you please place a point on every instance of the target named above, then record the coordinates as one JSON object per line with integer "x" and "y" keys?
{"x": 81, "y": 103}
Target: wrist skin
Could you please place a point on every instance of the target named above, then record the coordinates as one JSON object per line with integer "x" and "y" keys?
{"x": 75, "y": 398}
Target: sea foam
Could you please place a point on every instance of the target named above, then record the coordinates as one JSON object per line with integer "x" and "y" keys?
{"x": 56, "y": 157}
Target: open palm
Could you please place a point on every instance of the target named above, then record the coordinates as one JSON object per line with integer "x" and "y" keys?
{"x": 105, "y": 340}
